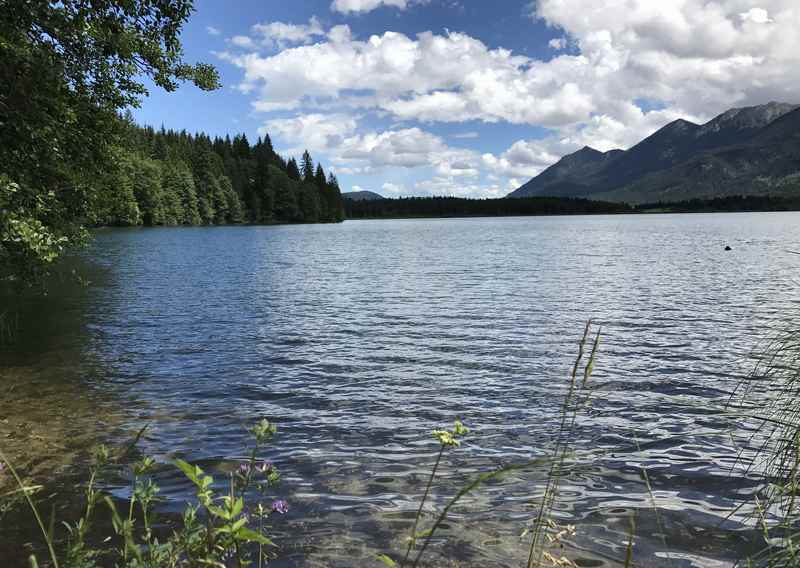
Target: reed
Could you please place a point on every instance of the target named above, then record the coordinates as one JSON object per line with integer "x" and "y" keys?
{"x": 577, "y": 397}
{"x": 769, "y": 401}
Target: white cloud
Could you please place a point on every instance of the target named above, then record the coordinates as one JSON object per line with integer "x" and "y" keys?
{"x": 245, "y": 42}
{"x": 757, "y": 15}
{"x": 390, "y": 189}
{"x": 313, "y": 132}
{"x": 280, "y": 35}
{"x": 354, "y": 151}
{"x": 454, "y": 187}
{"x": 431, "y": 78}
{"x": 211, "y": 30}
{"x": 358, "y": 6}
{"x": 686, "y": 58}
{"x": 466, "y": 135}
{"x": 693, "y": 55}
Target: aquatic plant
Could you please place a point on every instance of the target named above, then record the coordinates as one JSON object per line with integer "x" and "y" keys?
{"x": 545, "y": 532}
{"x": 768, "y": 401}
{"x": 577, "y": 397}
{"x": 216, "y": 530}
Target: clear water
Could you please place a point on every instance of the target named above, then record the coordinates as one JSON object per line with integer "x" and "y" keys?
{"x": 360, "y": 338}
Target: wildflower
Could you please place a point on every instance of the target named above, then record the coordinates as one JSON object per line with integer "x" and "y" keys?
{"x": 448, "y": 438}
{"x": 244, "y": 470}
{"x": 264, "y": 468}
{"x": 445, "y": 438}
{"x": 280, "y": 506}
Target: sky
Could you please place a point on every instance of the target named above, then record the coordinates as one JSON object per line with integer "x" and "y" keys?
{"x": 473, "y": 97}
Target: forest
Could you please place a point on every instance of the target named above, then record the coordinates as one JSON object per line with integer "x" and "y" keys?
{"x": 413, "y": 207}
{"x": 163, "y": 177}
{"x": 462, "y": 207}
{"x": 729, "y": 203}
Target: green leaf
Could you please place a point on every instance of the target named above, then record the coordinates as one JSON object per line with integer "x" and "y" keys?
{"x": 191, "y": 471}
{"x": 248, "y": 535}
{"x": 218, "y": 512}
{"x": 386, "y": 560}
{"x": 238, "y": 524}
{"x": 238, "y": 505}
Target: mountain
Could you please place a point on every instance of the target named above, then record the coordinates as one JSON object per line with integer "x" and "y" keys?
{"x": 362, "y": 195}
{"x": 743, "y": 150}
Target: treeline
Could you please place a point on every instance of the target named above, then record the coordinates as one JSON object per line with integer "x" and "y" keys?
{"x": 461, "y": 207}
{"x": 725, "y": 204}
{"x": 164, "y": 177}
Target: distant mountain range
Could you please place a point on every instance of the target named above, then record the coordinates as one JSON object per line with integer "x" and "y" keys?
{"x": 752, "y": 150}
{"x": 362, "y": 195}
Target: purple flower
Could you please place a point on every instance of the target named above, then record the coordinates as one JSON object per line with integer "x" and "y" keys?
{"x": 280, "y": 506}
{"x": 244, "y": 469}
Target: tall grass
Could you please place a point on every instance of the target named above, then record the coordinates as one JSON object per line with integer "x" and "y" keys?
{"x": 577, "y": 398}
{"x": 769, "y": 401}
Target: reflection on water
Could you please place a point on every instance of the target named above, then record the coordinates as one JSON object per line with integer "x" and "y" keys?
{"x": 359, "y": 339}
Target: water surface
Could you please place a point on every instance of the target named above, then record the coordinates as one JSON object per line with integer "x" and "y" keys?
{"x": 360, "y": 338}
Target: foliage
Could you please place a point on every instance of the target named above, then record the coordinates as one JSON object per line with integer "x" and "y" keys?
{"x": 215, "y": 531}
{"x": 767, "y": 402}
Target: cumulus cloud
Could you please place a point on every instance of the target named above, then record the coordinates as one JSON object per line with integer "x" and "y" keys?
{"x": 695, "y": 56}
{"x": 362, "y": 6}
{"x": 757, "y": 15}
{"x": 211, "y": 30}
{"x": 312, "y": 131}
{"x": 355, "y": 150}
{"x": 451, "y": 77}
{"x": 245, "y": 42}
{"x": 280, "y": 35}
{"x": 686, "y": 58}
{"x": 449, "y": 186}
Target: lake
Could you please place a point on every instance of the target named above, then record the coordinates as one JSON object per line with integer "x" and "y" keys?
{"x": 358, "y": 339}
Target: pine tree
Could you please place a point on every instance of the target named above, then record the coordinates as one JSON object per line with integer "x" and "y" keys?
{"x": 307, "y": 167}
{"x": 292, "y": 170}
{"x": 336, "y": 201}
{"x": 286, "y": 207}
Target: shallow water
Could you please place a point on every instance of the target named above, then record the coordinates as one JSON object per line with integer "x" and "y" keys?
{"x": 360, "y": 338}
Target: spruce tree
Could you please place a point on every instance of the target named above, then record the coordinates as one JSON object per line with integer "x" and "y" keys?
{"x": 307, "y": 167}
{"x": 292, "y": 170}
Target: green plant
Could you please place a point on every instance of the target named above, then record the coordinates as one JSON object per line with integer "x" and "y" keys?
{"x": 769, "y": 402}
{"x": 214, "y": 531}
{"x": 577, "y": 397}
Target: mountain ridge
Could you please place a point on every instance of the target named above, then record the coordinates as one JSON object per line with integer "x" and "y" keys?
{"x": 679, "y": 161}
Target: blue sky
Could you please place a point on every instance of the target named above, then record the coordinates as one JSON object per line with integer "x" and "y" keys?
{"x": 469, "y": 97}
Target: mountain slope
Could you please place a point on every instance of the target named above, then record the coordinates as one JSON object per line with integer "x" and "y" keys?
{"x": 767, "y": 162}
{"x": 684, "y": 160}
{"x": 561, "y": 178}
{"x": 362, "y": 195}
